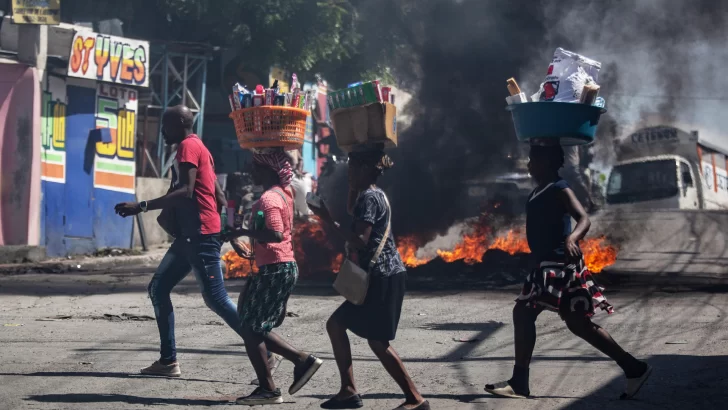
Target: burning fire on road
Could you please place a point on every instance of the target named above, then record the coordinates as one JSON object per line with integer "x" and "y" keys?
{"x": 316, "y": 254}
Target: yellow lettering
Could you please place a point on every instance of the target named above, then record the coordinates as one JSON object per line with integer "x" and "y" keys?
{"x": 59, "y": 126}
{"x": 107, "y": 150}
{"x": 126, "y": 134}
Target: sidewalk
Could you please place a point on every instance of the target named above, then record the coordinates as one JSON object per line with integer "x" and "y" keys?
{"x": 108, "y": 260}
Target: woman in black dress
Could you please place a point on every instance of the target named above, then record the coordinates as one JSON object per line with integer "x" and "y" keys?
{"x": 560, "y": 281}
{"x": 377, "y": 318}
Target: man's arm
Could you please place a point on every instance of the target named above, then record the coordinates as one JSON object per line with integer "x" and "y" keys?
{"x": 186, "y": 191}
{"x": 220, "y": 197}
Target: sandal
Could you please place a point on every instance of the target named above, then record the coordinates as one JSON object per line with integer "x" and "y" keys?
{"x": 504, "y": 389}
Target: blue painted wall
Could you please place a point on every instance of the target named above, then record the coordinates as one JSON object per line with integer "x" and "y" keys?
{"x": 309, "y": 148}
{"x": 80, "y": 120}
{"x": 52, "y": 209}
{"x": 76, "y": 217}
{"x": 111, "y": 230}
{"x": 309, "y": 157}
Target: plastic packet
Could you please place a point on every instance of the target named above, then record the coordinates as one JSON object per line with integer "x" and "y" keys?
{"x": 566, "y": 77}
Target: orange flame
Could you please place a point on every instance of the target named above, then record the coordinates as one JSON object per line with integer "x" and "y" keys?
{"x": 598, "y": 254}
{"x": 316, "y": 253}
{"x": 237, "y": 267}
{"x": 472, "y": 247}
{"x": 513, "y": 242}
{"x": 408, "y": 247}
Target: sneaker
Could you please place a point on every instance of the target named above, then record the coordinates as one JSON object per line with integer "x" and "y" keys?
{"x": 261, "y": 396}
{"x": 303, "y": 373}
{"x": 159, "y": 369}
{"x": 635, "y": 384}
{"x": 504, "y": 389}
{"x": 274, "y": 360}
{"x": 353, "y": 402}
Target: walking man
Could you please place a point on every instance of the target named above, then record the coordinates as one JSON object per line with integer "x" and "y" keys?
{"x": 191, "y": 209}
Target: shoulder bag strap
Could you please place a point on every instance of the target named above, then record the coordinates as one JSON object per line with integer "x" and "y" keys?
{"x": 375, "y": 258}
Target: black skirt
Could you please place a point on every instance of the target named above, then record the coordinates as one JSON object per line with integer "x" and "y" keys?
{"x": 378, "y": 317}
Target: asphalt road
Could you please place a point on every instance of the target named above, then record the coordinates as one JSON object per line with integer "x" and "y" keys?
{"x": 60, "y": 351}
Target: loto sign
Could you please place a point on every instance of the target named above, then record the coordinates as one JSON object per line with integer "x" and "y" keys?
{"x": 109, "y": 59}
{"x": 37, "y": 12}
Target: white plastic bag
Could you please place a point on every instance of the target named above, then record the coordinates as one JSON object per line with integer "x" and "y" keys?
{"x": 566, "y": 77}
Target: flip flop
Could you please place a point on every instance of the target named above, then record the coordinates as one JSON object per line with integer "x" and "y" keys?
{"x": 503, "y": 389}
{"x": 635, "y": 384}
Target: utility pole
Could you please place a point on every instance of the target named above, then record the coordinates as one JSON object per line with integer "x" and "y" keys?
{"x": 33, "y": 46}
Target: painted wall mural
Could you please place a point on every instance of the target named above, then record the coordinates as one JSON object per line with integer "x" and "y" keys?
{"x": 53, "y": 131}
{"x": 116, "y": 114}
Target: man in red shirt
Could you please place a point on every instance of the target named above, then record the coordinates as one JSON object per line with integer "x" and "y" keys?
{"x": 194, "y": 201}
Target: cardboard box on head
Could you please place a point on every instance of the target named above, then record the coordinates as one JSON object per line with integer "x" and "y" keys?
{"x": 374, "y": 123}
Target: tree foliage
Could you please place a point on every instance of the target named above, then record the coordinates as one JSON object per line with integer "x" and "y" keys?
{"x": 297, "y": 34}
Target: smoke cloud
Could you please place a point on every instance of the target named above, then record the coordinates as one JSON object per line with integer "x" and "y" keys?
{"x": 659, "y": 57}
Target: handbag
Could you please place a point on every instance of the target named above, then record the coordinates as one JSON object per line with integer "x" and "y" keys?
{"x": 352, "y": 282}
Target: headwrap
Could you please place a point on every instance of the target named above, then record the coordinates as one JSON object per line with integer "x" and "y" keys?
{"x": 278, "y": 161}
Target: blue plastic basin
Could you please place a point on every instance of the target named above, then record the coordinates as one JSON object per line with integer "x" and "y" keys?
{"x": 570, "y": 123}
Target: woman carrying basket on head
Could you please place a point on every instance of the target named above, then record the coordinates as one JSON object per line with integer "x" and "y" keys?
{"x": 377, "y": 318}
{"x": 263, "y": 304}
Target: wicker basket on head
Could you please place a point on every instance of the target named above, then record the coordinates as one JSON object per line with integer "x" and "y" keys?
{"x": 270, "y": 126}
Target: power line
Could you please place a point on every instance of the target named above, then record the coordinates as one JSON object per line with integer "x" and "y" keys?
{"x": 667, "y": 97}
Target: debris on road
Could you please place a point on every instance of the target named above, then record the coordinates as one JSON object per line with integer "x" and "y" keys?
{"x": 12, "y": 324}
{"x": 124, "y": 316}
{"x": 677, "y": 342}
{"x": 292, "y": 314}
{"x": 54, "y": 318}
{"x": 109, "y": 252}
{"x": 462, "y": 340}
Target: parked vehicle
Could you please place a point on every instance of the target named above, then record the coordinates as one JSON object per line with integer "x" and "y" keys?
{"x": 505, "y": 194}
{"x": 667, "y": 168}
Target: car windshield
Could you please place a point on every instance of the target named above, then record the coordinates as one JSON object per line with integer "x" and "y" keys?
{"x": 642, "y": 181}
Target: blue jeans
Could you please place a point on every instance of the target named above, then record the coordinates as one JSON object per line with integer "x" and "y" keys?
{"x": 200, "y": 254}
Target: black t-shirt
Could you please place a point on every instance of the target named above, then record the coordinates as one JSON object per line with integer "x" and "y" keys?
{"x": 371, "y": 208}
{"x": 548, "y": 223}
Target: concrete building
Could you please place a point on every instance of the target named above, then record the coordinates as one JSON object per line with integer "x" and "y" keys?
{"x": 68, "y": 123}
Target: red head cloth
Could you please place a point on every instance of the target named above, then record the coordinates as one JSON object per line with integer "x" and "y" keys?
{"x": 278, "y": 161}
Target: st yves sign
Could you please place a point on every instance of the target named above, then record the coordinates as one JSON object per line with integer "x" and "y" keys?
{"x": 109, "y": 59}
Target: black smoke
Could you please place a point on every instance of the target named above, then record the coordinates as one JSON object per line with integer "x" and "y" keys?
{"x": 457, "y": 55}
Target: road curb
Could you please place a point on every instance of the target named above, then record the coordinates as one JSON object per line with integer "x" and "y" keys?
{"x": 89, "y": 264}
